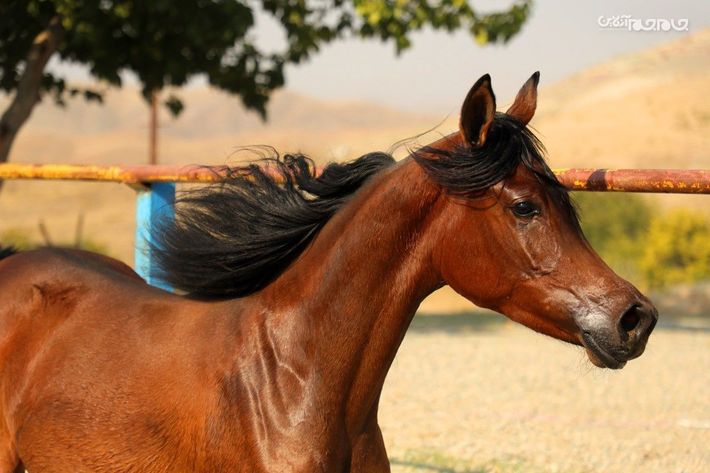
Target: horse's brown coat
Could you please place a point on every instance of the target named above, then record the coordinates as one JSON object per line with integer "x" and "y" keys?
{"x": 100, "y": 372}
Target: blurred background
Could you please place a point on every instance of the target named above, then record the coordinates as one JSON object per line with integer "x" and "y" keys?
{"x": 469, "y": 392}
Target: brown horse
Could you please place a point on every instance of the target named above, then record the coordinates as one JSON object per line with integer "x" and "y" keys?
{"x": 299, "y": 292}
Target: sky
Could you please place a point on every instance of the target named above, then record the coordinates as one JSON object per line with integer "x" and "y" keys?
{"x": 559, "y": 39}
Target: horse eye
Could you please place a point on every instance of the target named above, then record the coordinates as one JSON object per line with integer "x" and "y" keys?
{"x": 525, "y": 209}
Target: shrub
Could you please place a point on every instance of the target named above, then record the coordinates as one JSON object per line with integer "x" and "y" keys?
{"x": 651, "y": 249}
{"x": 22, "y": 240}
{"x": 19, "y": 238}
{"x": 677, "y": 249}
{"x": 615, "y": 225}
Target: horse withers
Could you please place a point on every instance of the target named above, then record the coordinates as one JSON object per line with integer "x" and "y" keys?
{"x": 299, "y": 289}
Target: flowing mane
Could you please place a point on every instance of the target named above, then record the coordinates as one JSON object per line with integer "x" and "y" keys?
{"x": 232, "y": 238}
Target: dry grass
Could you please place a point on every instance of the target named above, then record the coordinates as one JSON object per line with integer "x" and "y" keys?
{"x": 476, "y": 393}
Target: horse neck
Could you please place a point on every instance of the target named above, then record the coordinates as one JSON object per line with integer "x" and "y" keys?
{"x": 359, "y": 284}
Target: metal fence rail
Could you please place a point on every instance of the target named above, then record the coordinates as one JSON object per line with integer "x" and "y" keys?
{"x": 122, "y": 174}
{"x": 668, "y": 181}
{"x": 674, "y": 181}
{"x": 155, "y": 187}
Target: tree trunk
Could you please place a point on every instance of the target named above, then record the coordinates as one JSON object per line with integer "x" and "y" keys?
{"x": 28, "y": 89}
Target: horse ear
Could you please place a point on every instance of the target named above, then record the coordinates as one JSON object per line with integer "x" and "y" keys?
{"x": 523, "y": 107}
{"x": 477, "y": 112}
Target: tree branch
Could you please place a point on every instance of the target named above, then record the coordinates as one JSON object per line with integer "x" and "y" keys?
{"x": 28, "y": 89}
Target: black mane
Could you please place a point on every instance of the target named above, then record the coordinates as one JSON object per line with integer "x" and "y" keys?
{"x": 232, "y": 238}
{"x": 470, "y": 171}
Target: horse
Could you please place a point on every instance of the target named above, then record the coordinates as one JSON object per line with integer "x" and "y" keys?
{"x": 294, "y": 291}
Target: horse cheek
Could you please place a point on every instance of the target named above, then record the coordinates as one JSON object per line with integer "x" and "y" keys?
{"x": 541, "y": 249}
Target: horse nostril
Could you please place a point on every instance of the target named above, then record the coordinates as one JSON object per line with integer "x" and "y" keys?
{"x": 631, "y": 318}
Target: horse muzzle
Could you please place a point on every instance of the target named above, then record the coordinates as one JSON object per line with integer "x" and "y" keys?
{"x": 612, "y": 341}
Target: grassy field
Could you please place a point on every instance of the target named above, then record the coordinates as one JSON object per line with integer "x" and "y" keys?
{"x": 475, "y": 393}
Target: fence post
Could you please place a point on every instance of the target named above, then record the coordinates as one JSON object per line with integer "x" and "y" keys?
{"x": 154, "y": 203}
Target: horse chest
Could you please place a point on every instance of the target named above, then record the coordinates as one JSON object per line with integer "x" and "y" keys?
{"x": 97, "y": 442}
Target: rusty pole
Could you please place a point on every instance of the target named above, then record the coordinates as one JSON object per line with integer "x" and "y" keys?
{"x": 673, "y": 181}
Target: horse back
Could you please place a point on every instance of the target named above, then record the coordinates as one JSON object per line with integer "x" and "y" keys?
{"x": 42, "y": 287}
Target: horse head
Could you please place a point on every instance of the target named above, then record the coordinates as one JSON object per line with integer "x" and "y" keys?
{"x": 509, "y": 238}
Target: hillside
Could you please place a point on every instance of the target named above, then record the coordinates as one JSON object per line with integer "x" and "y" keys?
{"x": 649, "y": 109}
{"x": 211, "y": 128}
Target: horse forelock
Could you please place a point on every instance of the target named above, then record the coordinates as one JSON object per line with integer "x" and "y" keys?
{"x": 465, "y": 170}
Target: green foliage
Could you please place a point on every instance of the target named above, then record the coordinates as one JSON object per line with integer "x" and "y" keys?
{"x": 166, "y": 42}
{"x": 615, "y": 225}
{"x": 94, "y": 246}
{"x": 17, "y": 238}
{"x": 656, "y": 249}
{"x": 394, "y": 20}
{"x": 677, "y": 249}
{"x": 22, "y": 239}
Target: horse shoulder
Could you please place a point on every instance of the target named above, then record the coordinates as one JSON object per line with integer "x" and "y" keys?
{"x": 52, "y": 272}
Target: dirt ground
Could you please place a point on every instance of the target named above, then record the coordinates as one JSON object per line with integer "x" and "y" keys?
{"x": 475, "y": 394}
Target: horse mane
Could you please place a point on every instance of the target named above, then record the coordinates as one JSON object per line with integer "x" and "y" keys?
{"x": 232, "y": 238}
{"x": 470, "y": 171}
